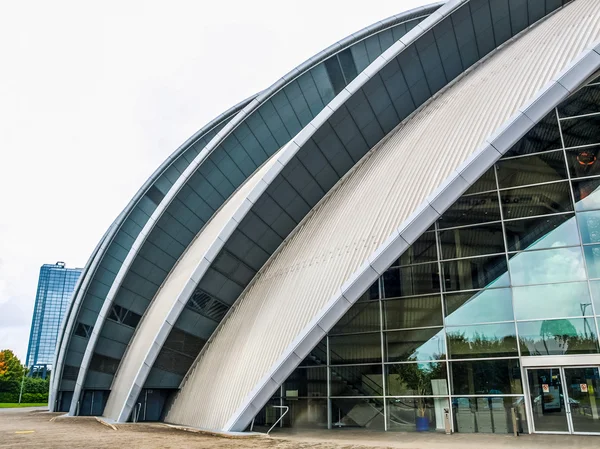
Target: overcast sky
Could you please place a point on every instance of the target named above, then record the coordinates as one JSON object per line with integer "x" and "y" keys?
{"x": 95, "y": 95}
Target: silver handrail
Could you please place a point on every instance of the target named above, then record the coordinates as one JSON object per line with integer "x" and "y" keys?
{"x": 287, "y": 409}
{"x": 136, "y": 414}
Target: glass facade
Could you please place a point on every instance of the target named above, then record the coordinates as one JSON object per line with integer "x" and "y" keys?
{"x": 55, "y": 287}
{"x": 512, "y": 269}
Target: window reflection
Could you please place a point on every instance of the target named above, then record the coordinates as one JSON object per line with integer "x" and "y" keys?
{"x": 488, "y": 414}
{"x": 423, "y": 250}
{"x": 581, "y": 131}
{"x": 416, "y": 379}
{"x": 420, "y": 311}
{"x": 558, "y": 337}
{"x": 584, "y": 101}
{"x": 416, "y": 414}
{"x": 475, "y": 273}
{"x": 534, "y": 169}
{"x": 587, "y": 194}
{"x": 415, "y": 345}
{"x": 589, "y": 225}
{"x": 541, "y": 232}
{"x": 471, "y": 209}
{"x": 356, "y": 412}
{"x": 542, "y": 137}
{"x": 547, "y": 266}
{"x": 592, "y": 260}
{"x": 477, "y": 307}
{"x": 486, "y": 377}
{"x": 584, "y": 162}
{"x": 472, "y": 241}
{"x": 489, "y": 340}
{"x": 595, "y": 287}
{"x": 536, "y": 200}
{"x": 553, "y": 300}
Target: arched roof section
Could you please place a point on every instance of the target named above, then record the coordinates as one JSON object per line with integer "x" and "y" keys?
{"x": 104, "y": 264}
{"x": 379, "y": 209}
{"x": 234, "y": 153}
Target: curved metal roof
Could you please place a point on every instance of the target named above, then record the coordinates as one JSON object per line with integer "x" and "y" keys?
{"x": 231, "y": 156}
{"x": 336, "y": 253}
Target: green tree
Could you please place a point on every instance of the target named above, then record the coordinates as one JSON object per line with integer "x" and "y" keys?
{"x": 11, "y": 374}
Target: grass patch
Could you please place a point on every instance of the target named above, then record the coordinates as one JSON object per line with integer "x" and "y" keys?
{"x": 14, "y": 405}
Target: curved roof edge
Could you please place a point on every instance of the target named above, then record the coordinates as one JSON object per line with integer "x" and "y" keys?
{"x": 250, "y": 107}
{"x": 99, "y": 251}
{"x": 498, "y": 143}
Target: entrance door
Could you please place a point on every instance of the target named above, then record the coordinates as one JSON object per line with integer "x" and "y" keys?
{"x": 565, "y": 399}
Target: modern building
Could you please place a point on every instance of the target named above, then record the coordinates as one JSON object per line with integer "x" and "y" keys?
{"x": 55, "y": 288}
{"x": 406, "y": 224}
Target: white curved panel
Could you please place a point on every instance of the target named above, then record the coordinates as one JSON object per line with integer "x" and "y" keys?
{"x": 169, "y": 301}
{"x": 320, "y": 270}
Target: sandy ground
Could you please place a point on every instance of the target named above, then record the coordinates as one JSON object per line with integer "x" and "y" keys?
{"x": 22, "y": 428}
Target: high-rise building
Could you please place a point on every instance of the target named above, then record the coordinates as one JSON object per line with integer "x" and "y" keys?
{"x": 55, "y": 287}
{"x": 401, "y": 234}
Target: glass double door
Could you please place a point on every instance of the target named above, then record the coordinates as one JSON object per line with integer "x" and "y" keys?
{"x": 565, "y": 399}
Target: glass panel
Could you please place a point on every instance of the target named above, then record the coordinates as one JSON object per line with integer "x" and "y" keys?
{"x": 359, "y": 348}
{"x": 417, "y": 379}
{"x": 415, "y": 345}
{"x": 488, "y": 414}
{"x": 587, "y": 194}
{"x": 318, "y": 355}
{"x": 543, "y": 136}
{"x": 534, "y": 169}
{"x": 305, "y": 413}
{"x": 595, "y": 287}
{"x": 489, "y": 340}
{"x": 547, "y": 400}
{"x": 416, "y": 414}
{"x": 558, "y": 337}
{"x": 485, "y": 183}
{"x": 536, "y": 200}
{"x": 589, "y": 225}
{"x": 359, "y": 380}
{"x": 583, "y": 385}
{"x": 583, "y": 162}
{"x": 542, "y": 232}
{"x": 477, "y": 307}
{"x": 421, "y": 311}
{"x": 581, "y": 131}
{"x": 592, "y": 260}
{"x": 476, "y": 273}
{"x": 584, "y": 101}
{"x": 422, "y": 250}
{"x": 471, "y": 209}
{"x": 366, "y": 413}
{"x": 411, "y": 280}
{"x": 472, "y": 241}
{"x": 362, "y": 317}
{"x": 486, "y": 377}
{"x": 306, "y": 382}
{"x": 547, "y": 266}
{"x": 552, "y": 301}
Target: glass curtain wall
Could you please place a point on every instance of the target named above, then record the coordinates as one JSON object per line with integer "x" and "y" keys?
{"x": 511, "y": 269}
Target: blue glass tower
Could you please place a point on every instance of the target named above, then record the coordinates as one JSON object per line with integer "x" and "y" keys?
{"x": 55, "y": 287}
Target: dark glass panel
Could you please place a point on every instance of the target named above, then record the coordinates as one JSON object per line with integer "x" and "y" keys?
{"x": 581, "y": 131}
{"x": 547, "y": 399}
{"x": 542, "y": 137}
{"x": 318, "y": 355}
{"x": 358, "y": 413}
{"x": 558, "y": 337}
{"x": 487, "y": 340}
{"x": 478, "y": 307}
{"x": 471, "y": 209}
{"x": 589, "y": 226}
{"x": 534, "y": 169}
{"x": 486, "y": 183}
{"x": 420, "y": 311}
{"x": 475, "y": 273}
{"x": 362, "y": 317}
{"x": 416, "y": 379}
{"x": 587, "y": 194}
{"x": 359, "y": 380}
{"x": 541, "y": 232}
{"x": 415, "y": 345}
{"x": 552, "y": 301}
{"x": 472, "y": 241}
{"x": 348, "y": 65}
{"x": 536, "y": 200}
{"x": 486, "y": 377}
{"x": 592, "y": 260}
{"x": 583, "y": 162}
{"x": 584, "y": 101}
{"x": 359, "y": 348}
{"x": 416, "y": 414}
{"x": 422, "y": 250}
{"x": 547, "y": 266}
{"x": 334, "y": 71}
{"x": 489, "y": 414}
{"x": 306, "y": 382}
{"x": 412, "y": 280}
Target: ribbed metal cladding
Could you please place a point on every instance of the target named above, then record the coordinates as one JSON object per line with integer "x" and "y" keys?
{"x": 365, "y": 208}
{"x": 154, "y": 323}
